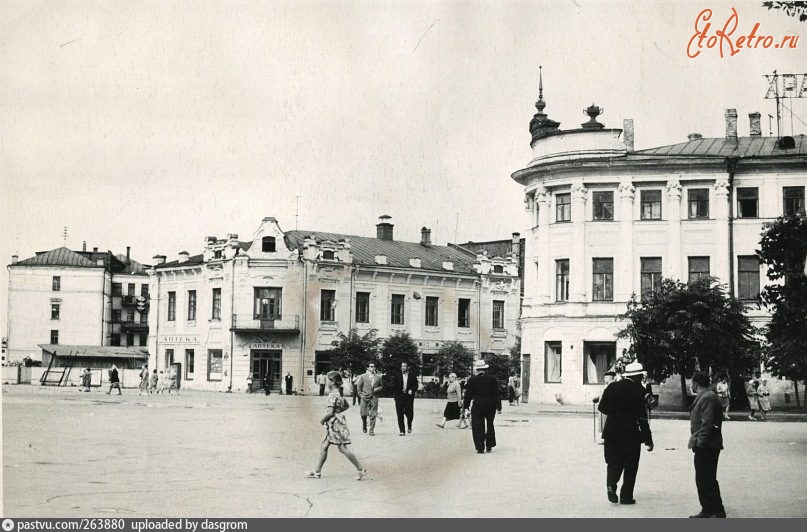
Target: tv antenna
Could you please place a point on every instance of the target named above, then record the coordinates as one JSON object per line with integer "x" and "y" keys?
{"x": 296, "y": 212}
{"x": 64, "y": 235}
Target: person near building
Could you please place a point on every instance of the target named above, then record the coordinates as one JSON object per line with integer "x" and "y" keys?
{"x": 369, "y": 386}
{"x": 405, "y": 385}
{"x": 763, "y": 397}
{"x": 267, "y": 384}
{"x": 289, "y": 381}
{"x": 706, "y": 442}
{"x": 753, "y": 400}
{"x": 172, "y": 380}
{"x": 354, "y": 389}
{"x": 626, "y": 429}
{"x": 114, "y": 380}
{"x": 336, "y": 430}
{"x": 153, "y": 382}
{"x": 144, "y": 380}
{"x": 322, "y": 381}
{"x": 250, "y": 380}
{"x": 86, "y": 380}
{"x": 483, "y": 391}
{"x": 723, "y": 391}
{"x": 453, "y": 402}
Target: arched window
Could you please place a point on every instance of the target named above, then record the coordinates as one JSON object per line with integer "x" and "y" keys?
{"x": 327, "y": 255}
{"x": 498, "y": 269}
{"x": 268, "y": 244}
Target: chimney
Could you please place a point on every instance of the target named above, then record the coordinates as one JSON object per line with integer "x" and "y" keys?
{"x": 83, "y": 245}
{"x": 183, "y": 256}
{"x": 384, "y": 228}
{"x": 14, "y": 259}
{"x": 694, "y": 136}
{"x": 731, "y": 124}
{"x": 627, "y": 128}
{"x": 425, "y": 237}
{"x": 755, "y": 129}
{"x": 516, "y": 245}
{"x": 158, "y": 259}
{"x": 95, "y": 250}
{"x": 128, "y": 248}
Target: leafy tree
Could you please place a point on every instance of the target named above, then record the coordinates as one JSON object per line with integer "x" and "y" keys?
{"x": 680, "y": 326}
{"x": 353, "y": 351}
{"x": 500, "y": 368}
{"x": 782, "y": 250}
{"x": 396, "y": 349}
{"x": 453, "y": 356}
{"x": 515, "y": 357}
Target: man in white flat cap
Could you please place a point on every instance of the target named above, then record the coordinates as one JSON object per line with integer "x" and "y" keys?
{"x": 483, "y": 390}
{"x": 626, "y": 428}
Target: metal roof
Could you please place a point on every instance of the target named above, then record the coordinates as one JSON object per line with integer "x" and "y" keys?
{"x": 58, "y": 257}
{"x": 364, "y": 250}
{"x": 95, "y": 351}
{"x": 744, "y": 147}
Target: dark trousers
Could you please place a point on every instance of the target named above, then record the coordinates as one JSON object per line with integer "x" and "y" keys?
{"x": 288, "y": 389}
{"x": 322, "y": 389}
{"x": 404, "y": 406}
{"x": 623, "y": 461}
{"x": 482, "y": 426}
{"x": 706, "y": 481}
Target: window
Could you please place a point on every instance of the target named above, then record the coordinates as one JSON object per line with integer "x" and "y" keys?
{"x": 397, "y": 310}
{"x": 650, "y": 204}
{"x": 464, "y": 313}
{"x": 130, "y": 316}
{"x": 57, "y": 283}
{"x": 267, "y": 303}
{"x": 327, "y": 305}
{"x": 362, "y": 307}
{"x": 116, "y": 315}
{"x": 651, "y": 274}
{"x": 130, "y": 289}
{"x": 129, "y": 340}
{"x": 603, "y": 280}
{"x": 431, "y": 311}
{"x": 793, "y": 200}
{"x": 603, "y": 205}
{"x": 143, "y": 340}
{"x": 144, "y": 290}
{"x": 172, "y": 306}
{"x": 54, "y": 311}
{"x": 748, "y": 277}
{"x": 169, "y": 357}
{"x": 115, "y": 339}
{"x": 498, "y": 314}
{"x": 117, "y": 289}
{"x": 552, "y": 361}
{"x": 144, "y": 317}
{"x": 498, "y": 269}
{"x": 598, "y": 357}
{"x": 698, "y": 268}
{"x": 54, "y": 337}
{"x": 747, "y": 202}
{"x": 189, "y": 361}
{"x": 563, "y": 207}
{"x": 328, "y": 255}
{"x": 698, "y": 200}
{"x": 217, "y": 254}
{"x": 268, "y": 244}
{"x": 216, "y": 313}
{"x": 562, "y": 280}
{"x": 215, "y": 365}
{"x": 191, "y": 305}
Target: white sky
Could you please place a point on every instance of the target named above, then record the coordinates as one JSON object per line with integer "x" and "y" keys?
{"x": 154, "y": 124}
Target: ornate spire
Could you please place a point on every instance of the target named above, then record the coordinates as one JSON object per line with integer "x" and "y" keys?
{"x": 541, "y": 125}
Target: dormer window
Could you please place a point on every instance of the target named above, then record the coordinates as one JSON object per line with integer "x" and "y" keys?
{"x": 498, "y": 269}
{"x": 328, "y": 255}
{"x": 268, "y": 244}
{"x": 217, "y": 254}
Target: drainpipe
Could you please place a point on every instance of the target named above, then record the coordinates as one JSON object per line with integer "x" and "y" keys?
{"x": 731, "y": 168}
{"x": 304, "y": 325}
{"x": 354, "y": 269}
{"x": 479, "y": 316}
{"x": 232, "y": 319}
{"x": 157, "y": 322}
{"x": 103, "y": 304}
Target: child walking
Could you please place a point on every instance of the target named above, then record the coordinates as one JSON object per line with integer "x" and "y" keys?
{"x": 337, "y": 432}
{"x": 153, "y": 384}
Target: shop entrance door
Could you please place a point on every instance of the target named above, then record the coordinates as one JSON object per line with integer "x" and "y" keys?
{"x": 263, "y": 362}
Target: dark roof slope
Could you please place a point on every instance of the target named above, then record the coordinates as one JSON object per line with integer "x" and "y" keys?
{"x": 746, "y": 147}
{"x": 58, "y": 257}
{"x": 193, "y": 260}
{"x": 364, "y": 250}
{"x": 131, "y": 265}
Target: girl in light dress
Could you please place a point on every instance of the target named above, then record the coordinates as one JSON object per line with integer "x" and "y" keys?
{"x": 337, "y": 432}
{"x": 453, "y": 408}
{"x": 763, "y": 397}
{"x": 724, "y": 394}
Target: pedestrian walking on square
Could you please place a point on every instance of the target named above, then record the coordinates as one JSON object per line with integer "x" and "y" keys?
{"x": 289, "y": 380}
{"x": 354, "y": 389}
{"x": 337, "y": 432}
{"x": 249, "y": 382}
{"x": 723, "y": 391}
{"x": 405, "y": 385}
{"x": 322, "y": 380}
{"x": 453, "y": 402}
{"x": 161, "y": 382}
{"x": 706, "y": 442}
{"x": 369, "y": 387}
{"x": 86, "y": 379}
{"x": 114, "y": 380}
{"x": 753, "y": 399}
{"x": 763, "y": 396}
{"x": 144, "y": 380}
{"x": 483, "y": 391}
{"x": 172, "y": 380}
{"x": 626, "y": 429}
{"x": 153, "y": 383}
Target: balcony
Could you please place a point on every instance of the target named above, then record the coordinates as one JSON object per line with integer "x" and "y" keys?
{"x": 134, "y": 326}
{"x": 132, "y": 301}
{"x": 249, "y": 323}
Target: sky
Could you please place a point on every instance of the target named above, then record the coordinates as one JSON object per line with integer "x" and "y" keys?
{"x": 155, "y": 124}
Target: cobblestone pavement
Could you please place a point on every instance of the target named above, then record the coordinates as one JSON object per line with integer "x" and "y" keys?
{"x": 67, "y": 453}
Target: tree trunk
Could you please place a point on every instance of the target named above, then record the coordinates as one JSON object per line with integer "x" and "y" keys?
{"x": 796, "y": 389}
{"x": 684, "y": 402}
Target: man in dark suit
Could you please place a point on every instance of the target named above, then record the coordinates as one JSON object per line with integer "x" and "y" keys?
{"x": 289, "y": 382}
{"x": 706, "y": 442}
{"x": 406, "y": 386}
{"x": 626, "y": 428}
{"x": 483, "y": 390}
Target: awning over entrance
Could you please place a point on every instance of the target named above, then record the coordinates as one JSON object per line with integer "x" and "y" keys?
{"x": 95, "y": 356}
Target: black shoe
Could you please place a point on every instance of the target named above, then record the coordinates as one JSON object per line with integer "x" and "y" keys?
{"x": 699, "y": 515}
{"x": 409, "y": 431}
{"x": 480, "y": 451}
{"x": 364, "y": 430}
{"x": 612, "y": 495}
{"x": 488, "y": 449}
{"x": 401, "y": 434}
{"x": 627, "y": 501}
{"x": 719, "y": 515}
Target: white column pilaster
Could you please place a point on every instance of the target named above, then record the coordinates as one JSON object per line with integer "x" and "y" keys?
{"x": 577, "y": 262}
{"x": 625, "y": 263}
{"x": 542, "y": 255}
{"x": 720, "y": 259}
{"x": 672, "y": 262}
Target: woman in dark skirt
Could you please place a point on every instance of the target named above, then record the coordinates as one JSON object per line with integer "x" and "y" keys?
{"x": 454, "y": 398}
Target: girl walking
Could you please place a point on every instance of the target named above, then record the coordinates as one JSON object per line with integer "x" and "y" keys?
{"x": 724, "y": 394}
{"x": 454, "y": 400}
{"x": 337, "y": 432}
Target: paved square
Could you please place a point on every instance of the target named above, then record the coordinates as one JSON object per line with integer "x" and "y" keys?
{"x": 199, "y": 454}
